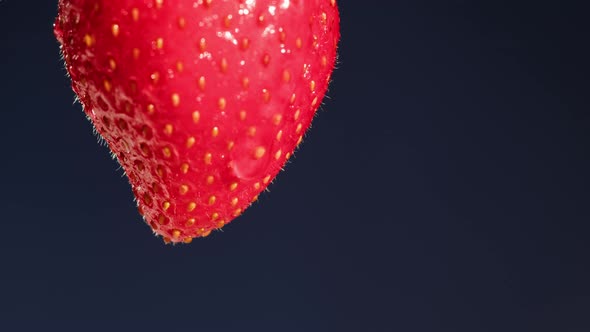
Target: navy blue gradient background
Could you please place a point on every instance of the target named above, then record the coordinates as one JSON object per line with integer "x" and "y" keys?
{"x": 443, "y": 187}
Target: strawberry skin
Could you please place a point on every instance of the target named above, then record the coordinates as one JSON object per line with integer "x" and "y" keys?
{"x": 201, "y": 101}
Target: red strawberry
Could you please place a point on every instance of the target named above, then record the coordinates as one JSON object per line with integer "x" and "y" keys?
{"x": 201, "y": 101}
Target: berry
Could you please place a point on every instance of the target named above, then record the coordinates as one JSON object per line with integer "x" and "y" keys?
{"x": 203, "y": 101}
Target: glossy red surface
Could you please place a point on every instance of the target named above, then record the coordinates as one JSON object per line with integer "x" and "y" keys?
{"x": 202, "y": 102}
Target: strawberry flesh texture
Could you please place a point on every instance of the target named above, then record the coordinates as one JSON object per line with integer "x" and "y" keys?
{"x": 202, "y": 102}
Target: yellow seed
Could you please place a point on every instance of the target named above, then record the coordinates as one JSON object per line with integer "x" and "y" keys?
{"x": 202, "y": 83}
{"x": 230, "y": 145}
{"x": 184, "y": 168}
{"x": 237, "y": 212}
{"x": 257, "y": 186}
{"x": 190, "y": 222}
{"x": 252, "y": 131}
{"x": 312, "y": 86}
{"x": 159, "y": 3}
{"x": 135, "y": 14}
{"x": 266, "y": 179}
{"x": 175, "y": 99}
{"x": 183, "y": 189}
{"x": 88, "y": 40}
{"x": 276, "y": 119}
{"x": 107, "y": 85}
{"x": 166, "y": 206}
{"x": 223, "y": 65}
{"x": 215, "y": 131}
{"x": 190, "y": 142}
{"x": 282, "y": 35}
{"x": 136, "y": 53}
{"x": 314, "y": 102}
{"x": 265, "y": 95}
{"x": 298, "y": 129}
{"x": 202, "y": 45}
{"x": 278, "y": 154}
{"x": 288, "y": 155}
{"x": 168, "y": 129}
{"x": 181, "y": 22}
{"x": 210, "y": 179}
{"x": 215, "y": 216}
{"x": 191, "y": 206}
{"x": 279, "y": 135}
{"x": 206, "y": 233}
{"x": 266, "y": 59}
{"x": 112, "y": 64}
{"x": 233, "y": 186}
{"x": 175, "y": 234}
{"x": 245, "y": 43}
{"x": 155, "y": 77}
{"x": 179, "y": 66}
{"x": 259, "y": 152}
{"x": 166, "y": 152}
{"x": 208, "y": 158}
{"x": 222, "y": 103}
{"x": 297, "y": 114}
{"x": 234, "y": 201}
{"x": 298, "y": 42}
{"x": 160, "y": 43}
{"x": 212, "y": 200}
{"x": 286, "y": 76}
{"x": 245, "y": 83}
{"x": 188, "y": 240}
{"x": 115, "y": 29}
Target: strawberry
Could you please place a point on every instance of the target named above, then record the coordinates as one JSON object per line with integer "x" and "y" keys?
{"x": 201, "y": 101}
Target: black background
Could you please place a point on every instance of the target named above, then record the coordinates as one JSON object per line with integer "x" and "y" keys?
{"x": 443, "y": 187}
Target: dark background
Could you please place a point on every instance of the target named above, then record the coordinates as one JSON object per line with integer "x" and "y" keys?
{"x": 444, "y": 187}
